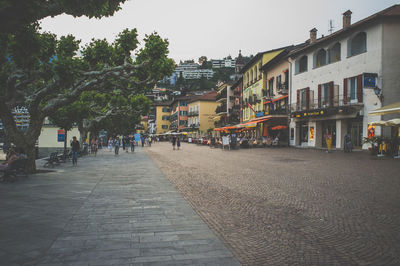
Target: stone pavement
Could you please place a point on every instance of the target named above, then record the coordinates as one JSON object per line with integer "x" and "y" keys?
{"x": 284, "y": 206}
{"x": 110, "y": 210}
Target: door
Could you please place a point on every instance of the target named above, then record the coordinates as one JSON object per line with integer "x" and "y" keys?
{"x": 356, "y": 134}
{"x": 331, "y": 127}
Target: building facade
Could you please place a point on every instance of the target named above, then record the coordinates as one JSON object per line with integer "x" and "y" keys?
{"x": 336, "y": 80}
{"x": 202, "y": 112}
{"x": 179, "y": 113}
{"x": 163, "y": 111}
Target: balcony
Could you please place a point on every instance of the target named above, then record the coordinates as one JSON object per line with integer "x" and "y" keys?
{"x": 283, "y": 88}
{"x": 220, "y": 109}
{"x": 334, "y": 102}
{"x": 193, "y": 113}
{"x": 221, "y": 96}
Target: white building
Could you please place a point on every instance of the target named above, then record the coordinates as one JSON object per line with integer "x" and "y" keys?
{"x": 227, "y": 62}
{"x": 191, "y": 70}
{"x": 334, "y": 80}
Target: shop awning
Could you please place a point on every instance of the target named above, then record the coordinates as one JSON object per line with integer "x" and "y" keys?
{"x": 388, "y": 109}
{"x": 255, "y": 122}
{"x": 279, "y": 127}
{"x": 277, "y": 99}
{"x": 225, "y": 128}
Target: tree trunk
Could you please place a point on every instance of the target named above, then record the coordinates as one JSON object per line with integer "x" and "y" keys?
{"x": 30, "y": 151}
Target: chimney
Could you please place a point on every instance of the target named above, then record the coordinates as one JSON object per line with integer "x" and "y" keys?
{"x": 313, "y": 35}
{"x": 347, "y": 19}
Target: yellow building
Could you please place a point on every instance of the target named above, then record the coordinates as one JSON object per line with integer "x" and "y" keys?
{"x": 143, "y": 127}
{"x": 254, "y": 84}
{"x": 163, "y": 111}
{"x": 201, "y": 112}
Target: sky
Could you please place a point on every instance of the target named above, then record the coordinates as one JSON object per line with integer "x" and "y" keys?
{"x": 218, "y": 28}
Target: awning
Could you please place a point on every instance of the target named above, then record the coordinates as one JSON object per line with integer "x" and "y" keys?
{"x": 225, "y": 128}
{"x": 394, "y": 122}
{"x": 379, "y": 123}
{"x": 388, "y": 109}
{"x": 277, "y": 99}
{"x": 278, "y": 127}
{"x": 255, "y": 122}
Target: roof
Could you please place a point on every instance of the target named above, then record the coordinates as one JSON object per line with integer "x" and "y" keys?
{"x": 282, "y": 55}
{"x": 256, "y": 57}
{"x": 211, "y": 96}
{"x": 167, "y": 103}
{"x": 393, "y": 11}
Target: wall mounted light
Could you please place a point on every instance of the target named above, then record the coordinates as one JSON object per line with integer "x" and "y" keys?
{"x": 378, "y": 93}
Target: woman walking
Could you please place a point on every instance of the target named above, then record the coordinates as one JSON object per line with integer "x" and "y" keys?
{"x": 173, "y": 140}
{"x": 178, "y": 143}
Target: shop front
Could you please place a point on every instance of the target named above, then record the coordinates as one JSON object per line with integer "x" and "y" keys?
{"x": 311, "y": 128}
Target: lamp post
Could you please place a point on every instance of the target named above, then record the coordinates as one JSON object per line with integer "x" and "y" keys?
{"x": 378, "y": 93}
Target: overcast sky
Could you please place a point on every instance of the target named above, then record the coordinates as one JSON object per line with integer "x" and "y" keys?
{"x": 217, "y": 28}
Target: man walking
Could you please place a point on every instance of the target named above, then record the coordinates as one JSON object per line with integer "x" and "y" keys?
{"x": 75, "y": 150}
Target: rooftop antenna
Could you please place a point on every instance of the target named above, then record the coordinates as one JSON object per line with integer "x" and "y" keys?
{"x": 331, "y": 27}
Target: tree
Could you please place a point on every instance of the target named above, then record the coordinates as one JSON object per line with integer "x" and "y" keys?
{"x": 16, "y": 14}
{"x": 44, "y": 74}
{"x": 202, "y": 59}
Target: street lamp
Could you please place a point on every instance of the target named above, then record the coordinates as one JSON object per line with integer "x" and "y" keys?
{"x": 378, "y": 93}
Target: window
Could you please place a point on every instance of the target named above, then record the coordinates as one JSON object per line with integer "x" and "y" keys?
{"x": 165, "y": 117}
{"x": 278, "y": 82}
{"x": 357, "y": 44}
{"x": 325, "y": 94}
{"x": 271, "y": 87}
{"x": 302, "y": 64}
{"x": 164, "y": 127}
{"x": 303, "y": 99}
{"x": 320, "y": 58}
{"x": 334, "y": 53}
{"x": 352, "y": 89}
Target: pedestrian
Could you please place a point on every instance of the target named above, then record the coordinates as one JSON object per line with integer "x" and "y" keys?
{"x": 116, "y": 145}
{"x": 142, "y": 140}
{"x": 132, "y": 143}
{"x": 173, "y": 140}
{"x": 75, "y": 146}
{"x": 178, "y": 143}
{"x": 110, "y": 144}
{"x": 11, "y": 156}
{"x": 93, "y": 146}
{"x": 328, "y": 140}
{"x": 348, "y": 146}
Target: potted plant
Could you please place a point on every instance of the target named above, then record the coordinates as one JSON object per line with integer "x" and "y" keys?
{"x": 373, "y": 141}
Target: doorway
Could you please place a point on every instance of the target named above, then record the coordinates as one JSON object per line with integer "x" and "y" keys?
{"x": 356, "y": 132}
{"x": 331, "y": 127}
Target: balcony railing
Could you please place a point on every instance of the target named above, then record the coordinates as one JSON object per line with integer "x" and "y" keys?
{"x": 334, "y": 102}
{"x": 283, "y": 88}
{"x": 221, "y": 96}
{"x": 220, "y": 109}
{"x": 193, "y": 113}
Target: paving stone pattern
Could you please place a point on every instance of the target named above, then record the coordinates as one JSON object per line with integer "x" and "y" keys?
{"x": 285, "y": 206}
{"x": 110, "y": 210}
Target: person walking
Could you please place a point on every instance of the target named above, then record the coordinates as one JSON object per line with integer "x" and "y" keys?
{"x": 132, "y": 143}
{"x": 142, "y": 140}
{"x": 173, "y": 140}
{"x": 75, "y": 146}
{"x": 116, "y": 145}
{"x": 93, "y": 146}
{"x": 178, "y": 143}
{"x": 348, "y": 146}
{"x": 110, "y": 144}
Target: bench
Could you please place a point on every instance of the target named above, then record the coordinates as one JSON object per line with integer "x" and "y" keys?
{"x": 15, "y": 168}
{"x": 52, "y": 160}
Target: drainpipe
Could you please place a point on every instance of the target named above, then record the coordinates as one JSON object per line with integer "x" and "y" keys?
{"x": 289, "y": 98}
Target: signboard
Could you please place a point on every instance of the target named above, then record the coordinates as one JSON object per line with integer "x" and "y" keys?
{"x": 311, "y": 133}
{"x": 370, "y": 80}
{"x": 60, "y": 135}
{"x": 225, "y": 142}
{"x": 309, "y": 114}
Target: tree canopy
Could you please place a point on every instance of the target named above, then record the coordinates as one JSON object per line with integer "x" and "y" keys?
{"x": 16, "y": 14}
{"x": 43, "y": 73}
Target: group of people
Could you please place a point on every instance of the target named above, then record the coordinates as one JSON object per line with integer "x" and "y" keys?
{"x": 176, "y": 142}
{"x": 11, "y": 156}
{"x": 125, "y": 142}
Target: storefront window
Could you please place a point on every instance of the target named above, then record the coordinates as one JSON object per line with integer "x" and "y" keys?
{"x": 311, "y": 133}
